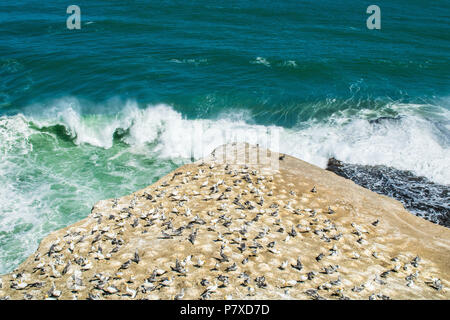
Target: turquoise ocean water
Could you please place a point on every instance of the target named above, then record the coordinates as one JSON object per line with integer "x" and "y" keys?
{"x": 103, "y": 111}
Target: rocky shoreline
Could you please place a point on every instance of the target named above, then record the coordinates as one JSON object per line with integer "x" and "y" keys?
{"x": 209, "y": 230}
{"x": 419, "y": 195}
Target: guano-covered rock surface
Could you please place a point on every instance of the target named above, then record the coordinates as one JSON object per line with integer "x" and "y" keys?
{"x": 211, "y": 230}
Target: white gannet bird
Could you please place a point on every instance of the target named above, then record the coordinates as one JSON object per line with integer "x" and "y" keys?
{"x": 204, "y": 184}
{"x": 298, "y": 265}
{"x": 186, "y": 260}
{"x": 284, "y": 265}
{"x": 180, "y": 295}
{"x": 166, "y": 282}
{"x": 131, "y": 292}
{"x": 200, "y": 262}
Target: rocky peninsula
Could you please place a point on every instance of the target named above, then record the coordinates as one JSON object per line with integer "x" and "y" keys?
{"x": 212, "y": 230}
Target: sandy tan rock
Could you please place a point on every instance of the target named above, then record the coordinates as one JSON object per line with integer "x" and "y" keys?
{"x": 216, "y": 232}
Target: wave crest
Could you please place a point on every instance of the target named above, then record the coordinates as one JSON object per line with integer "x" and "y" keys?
{"x": 413, "y": 140}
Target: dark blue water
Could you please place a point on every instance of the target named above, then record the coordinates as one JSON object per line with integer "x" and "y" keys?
{"x": 102, "y": 111}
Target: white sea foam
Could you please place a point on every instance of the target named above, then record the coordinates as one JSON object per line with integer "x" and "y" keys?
{"x": 262, "y": 61}
{"x": 289, "y": 63}
{"x": 412, "y": 142}
{"x": 195, "y": 62}
{"x": 16, "y": 206}
{"x": 265, "y": 62}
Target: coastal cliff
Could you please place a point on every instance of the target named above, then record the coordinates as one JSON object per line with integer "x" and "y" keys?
{"x": 209, "y": 230}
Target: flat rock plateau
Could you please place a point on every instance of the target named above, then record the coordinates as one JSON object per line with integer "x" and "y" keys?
{"x": 209, "y": 230}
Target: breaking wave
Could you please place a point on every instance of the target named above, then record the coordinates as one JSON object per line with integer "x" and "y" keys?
{"x": 417, "y": 139}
